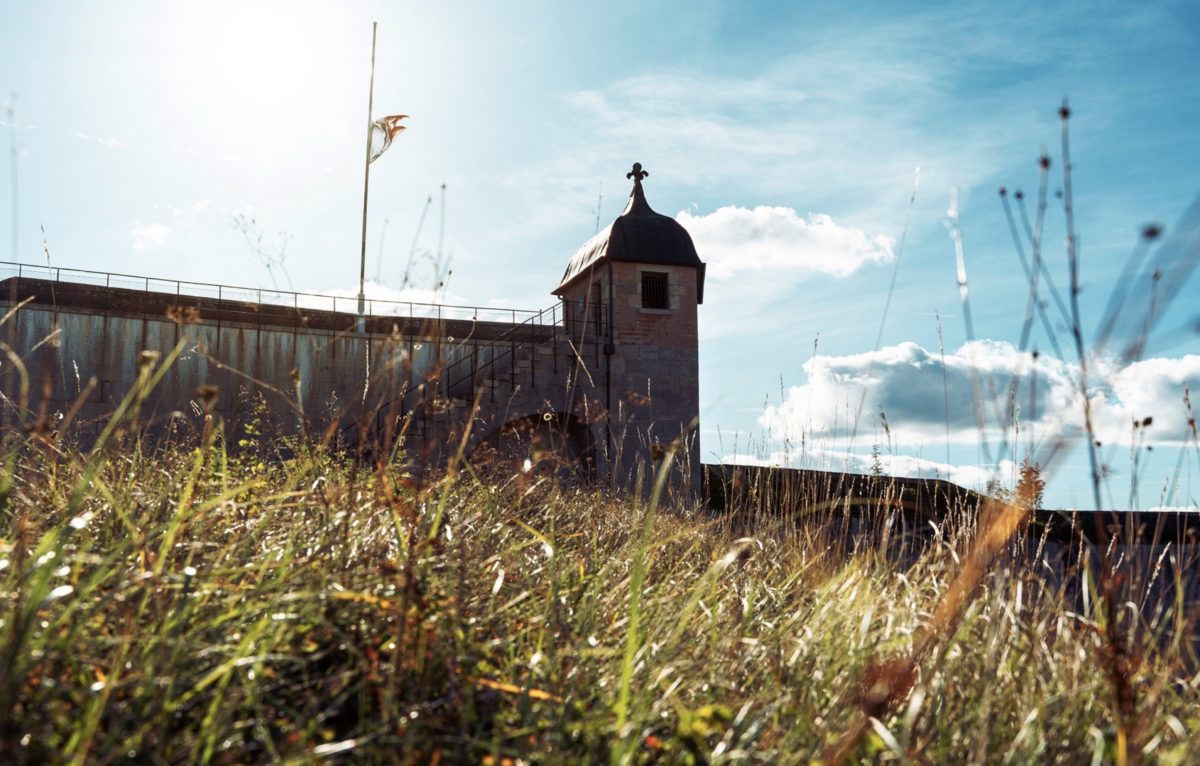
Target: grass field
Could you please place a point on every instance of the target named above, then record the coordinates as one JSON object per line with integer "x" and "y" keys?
{"x": 180, "y": 603}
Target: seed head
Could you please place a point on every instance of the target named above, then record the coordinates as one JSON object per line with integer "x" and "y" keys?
{"x": 207, "y": 393}
{"x": 146, "y": 359}
{"x": 182, "y": 315}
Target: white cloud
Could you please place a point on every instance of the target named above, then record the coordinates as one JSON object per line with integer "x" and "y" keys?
{"x": 733, "y": 239}
{"x": 926, "y": 399}
{"x": 903, "y": 466}
{"x": 1154, "y": 389}
{"x": 147, "y": 235}
{"x": 187, "y": 216}
{"x": 144, "y": 236}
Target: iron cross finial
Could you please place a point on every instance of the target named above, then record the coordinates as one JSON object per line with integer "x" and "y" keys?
{"x": 637, "y": 174}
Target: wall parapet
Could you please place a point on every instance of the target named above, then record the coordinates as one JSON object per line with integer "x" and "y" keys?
{"x": 267, "y": 298}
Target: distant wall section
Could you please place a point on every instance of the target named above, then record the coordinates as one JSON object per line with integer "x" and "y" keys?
{"x": 294, "y": 370}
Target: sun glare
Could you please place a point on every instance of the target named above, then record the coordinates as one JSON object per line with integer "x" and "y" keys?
{"x": 257, "y": 64}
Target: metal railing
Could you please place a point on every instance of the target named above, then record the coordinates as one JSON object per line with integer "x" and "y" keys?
{"x": 273, "y": 297}
{"x": 499, "y": 353}
{"x": 465, "y": 369}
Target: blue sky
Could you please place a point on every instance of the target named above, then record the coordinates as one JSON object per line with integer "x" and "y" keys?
{"x": 785, "y": 136}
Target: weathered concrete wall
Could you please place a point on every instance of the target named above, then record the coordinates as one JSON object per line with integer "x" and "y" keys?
{"x": 66, "y": 348}
{"x": 292, "y": 377}
{"x": 309, "y": 370}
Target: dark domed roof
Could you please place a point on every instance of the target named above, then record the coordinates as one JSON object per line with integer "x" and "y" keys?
{"x": 638, "y": 235}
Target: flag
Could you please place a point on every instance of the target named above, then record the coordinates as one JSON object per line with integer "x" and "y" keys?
{"x": 383, "y": 131}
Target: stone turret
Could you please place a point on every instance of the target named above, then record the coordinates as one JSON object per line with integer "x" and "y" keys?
{"x": 633, "y": 289}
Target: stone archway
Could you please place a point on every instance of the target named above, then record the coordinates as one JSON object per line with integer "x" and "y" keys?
{"x": 550, "y": 443}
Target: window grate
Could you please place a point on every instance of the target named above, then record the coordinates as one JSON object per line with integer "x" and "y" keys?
{"x": 654, "y": 290}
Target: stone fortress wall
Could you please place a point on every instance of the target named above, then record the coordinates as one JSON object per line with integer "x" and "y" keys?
{"x": 598, "y": 385}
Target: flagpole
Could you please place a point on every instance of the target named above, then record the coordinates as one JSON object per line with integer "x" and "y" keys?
{"x": 12, "y": 138}
{"x": 362, "y": 266}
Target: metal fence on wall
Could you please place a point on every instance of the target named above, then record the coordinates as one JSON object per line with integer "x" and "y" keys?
{"x": 273, "y": 297}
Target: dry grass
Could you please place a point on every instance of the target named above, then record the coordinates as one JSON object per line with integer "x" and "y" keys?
{"x": 186, "y": 605}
